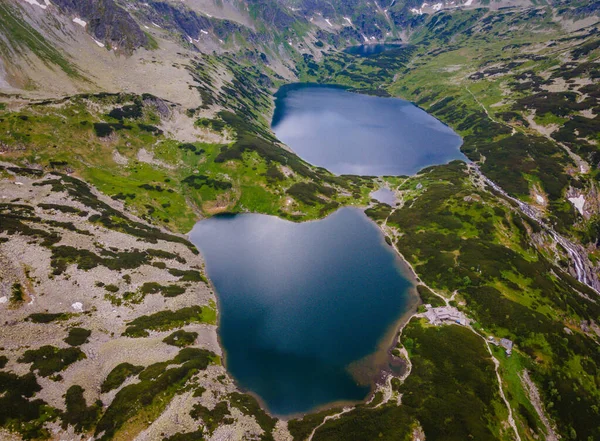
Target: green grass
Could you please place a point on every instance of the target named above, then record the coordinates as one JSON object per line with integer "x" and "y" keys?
{"x": 525, "y": 415}
{"x": 189, "y": 178}
{"x": 509, "y": 287}
{"x": 428, "y": 297}
{"x": 23, "y": 38}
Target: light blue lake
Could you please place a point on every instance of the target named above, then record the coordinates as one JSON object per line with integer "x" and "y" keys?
{"x": 349, "y": 133}
{"x": 369, "y": 50}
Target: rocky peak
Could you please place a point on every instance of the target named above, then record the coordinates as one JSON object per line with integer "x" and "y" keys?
{"x": 107, "y": 22}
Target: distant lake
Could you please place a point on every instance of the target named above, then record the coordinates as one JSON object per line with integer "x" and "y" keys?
{"x": 368, "y": 50}
{"x": 349, "y": 133}
{"x": 299, "y": 302}
{"x": 384, "y": 195}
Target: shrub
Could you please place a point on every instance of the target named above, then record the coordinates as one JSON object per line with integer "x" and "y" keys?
{"x": 163, "y": 321}
{"x": 181, "y": 338}
{"x": 78, "y": 414}
{"x": 48, "y": 360}
{"x": 167, "y": 291}
{"x": 248, "y": 405}
{"x": 155, "y": 392}
{"x": 214, "y": 418}
{"x": 188, "y": 275}
{"x": 44, "y": 317}
{"x": 78, "y": 336}
{"x": 118, "y": 375}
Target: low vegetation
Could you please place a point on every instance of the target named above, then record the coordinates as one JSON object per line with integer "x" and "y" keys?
{"x": 248, "y": 405}
{"x": 78, "y": 414}
{"x": 49, "y": 360}
{"x": 78, "y": 336}
{"x": 166, "y": 320}
{"x": 451, "y": 392}
{"x": 212, "y": 418}
{"x": 181, "y": 338}
{"x": 118, "y": 375}
{"x": 154, "y": 391}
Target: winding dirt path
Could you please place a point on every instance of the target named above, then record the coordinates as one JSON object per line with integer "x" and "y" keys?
{"x": 327, "y": 418}
{"x": 511, "y": 419}
{"x": 388, "y": 231}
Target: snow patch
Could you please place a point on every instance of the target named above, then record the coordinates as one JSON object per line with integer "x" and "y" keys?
{"x": 348, "y": 20}
{"x": 417, "y": 11}
{"x": 77, "y": 306}
{"x": 204, "y": 32}
{"x": 328, "y": 22}
{"x": 539, "y": 198}
{"x": 80, "y": 22}
{"x": 98, "y": 42}
{"x": 578, "y": 203}
{"x": 437, "y": 7}
{"x": 3, "y": 300}
{"x": 43, "y": 5}
{"x": 468, "y": 2}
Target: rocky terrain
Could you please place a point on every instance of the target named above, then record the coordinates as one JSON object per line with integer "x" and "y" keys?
{"x": 110, "y": 322}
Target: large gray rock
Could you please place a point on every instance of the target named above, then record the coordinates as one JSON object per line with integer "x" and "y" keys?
{"x": 107, "y": 22}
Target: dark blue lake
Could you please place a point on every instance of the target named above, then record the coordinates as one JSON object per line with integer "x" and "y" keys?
{"x": 369, "y": 50}
{"x": 348, "y": 133}
{"x": 299, "y": 302}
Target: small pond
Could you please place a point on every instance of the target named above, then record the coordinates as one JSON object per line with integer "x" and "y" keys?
{"x": 369, "y": 50}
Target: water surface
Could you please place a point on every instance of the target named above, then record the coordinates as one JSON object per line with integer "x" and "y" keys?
{"x": 384, "y": 195}
{"x": 300, "y": 302}
{"x": 349, "y": 133}
{"x": 369, "y": 50}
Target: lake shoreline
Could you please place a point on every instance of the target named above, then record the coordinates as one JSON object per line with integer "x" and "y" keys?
{"x": 371, "y": 370}
{"x": 352, "y": 133}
